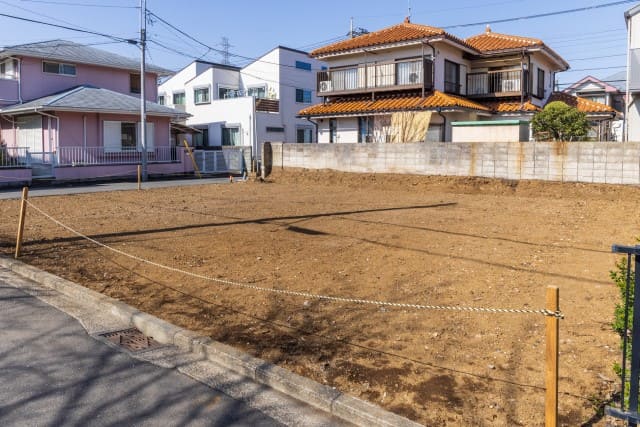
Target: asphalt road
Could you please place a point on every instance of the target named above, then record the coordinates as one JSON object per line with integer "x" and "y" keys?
{"x": 53, "y": 374}
{"x": 79, "y": 188}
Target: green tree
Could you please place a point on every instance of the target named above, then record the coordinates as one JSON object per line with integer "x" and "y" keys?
{"x": 560, "y": 122}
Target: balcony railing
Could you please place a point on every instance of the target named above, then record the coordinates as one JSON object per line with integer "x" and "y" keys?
{"x": 412, "y": 74}
{"x": 14, "y": 157}
{"x": 495, "y": 84}
{"x": 91, "y": 156}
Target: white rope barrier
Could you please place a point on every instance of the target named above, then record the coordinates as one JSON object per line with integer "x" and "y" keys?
{"x": 297, "y": 293}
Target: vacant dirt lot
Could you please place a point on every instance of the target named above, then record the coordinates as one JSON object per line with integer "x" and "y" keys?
{"x": 426, "y": 240}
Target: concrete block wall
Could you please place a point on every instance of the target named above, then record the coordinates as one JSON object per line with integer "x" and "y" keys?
{"x": 597, "y": 162}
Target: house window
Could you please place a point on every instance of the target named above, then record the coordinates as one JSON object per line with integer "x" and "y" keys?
{"x": 303, "y": 65}
{"x": 303, "y": 96}
{"x": 161, "y": 100}
{"x": 8, "y": 69}
{"x": 227, "y": 92}
{"x": 540, "y": 92}
{"x": 333, "y": 130}
{"x": 59, "y": 68}
{"x": 259, "y": 92}
{"x": 230, "y": 136}
{"x": 275, "y": 129}
{"x": 128, "y": 140}
{"x": 409, "y": 73}
{"x": 179, "y": 98}
{"x": 134, "y": 83}
{"x": 201, "y": 95}
{"x": 201, "y": 139}
{"x": 452, "y": 77}
{"x": 304, "y": 135}
{"x": 365, "y": 129}
{"x": 125, "y": 136}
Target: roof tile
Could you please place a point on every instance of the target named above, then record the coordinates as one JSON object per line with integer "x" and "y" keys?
{"x": 391, "y": 104}
{"x": 490, "y": 41}
{"x": 511, "y": 107}
{"x": 582, "y": 104}
{"x": 405, "y": 31}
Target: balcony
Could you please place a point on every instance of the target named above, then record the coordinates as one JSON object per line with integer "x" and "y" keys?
{"x": 495, "y": 84}
{"x": 397, "y": 75}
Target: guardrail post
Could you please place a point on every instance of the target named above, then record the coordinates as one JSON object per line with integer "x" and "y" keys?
{"x": 551, "y": 353}
{"x": 23, "y": 213}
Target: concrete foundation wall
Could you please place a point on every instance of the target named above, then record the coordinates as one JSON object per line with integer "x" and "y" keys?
{"x": 599, "y": 162}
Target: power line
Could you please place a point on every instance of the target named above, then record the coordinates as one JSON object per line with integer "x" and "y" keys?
{"x": 543, "y": 15}
{"x": 68, "y": 3}
{"x": 603, "y": 81}
{"x": 217, "y": 50}
{"x": 597, "y": 57}
{"x": 599, "y": 68}
{"x": 64, "y": 27}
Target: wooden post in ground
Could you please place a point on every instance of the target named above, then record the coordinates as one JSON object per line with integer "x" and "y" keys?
{"x": 193, "y": 159}
{"x": 139, "y": 177}
{"x": 551, "y": 353}
{"x": 23, "y": 213}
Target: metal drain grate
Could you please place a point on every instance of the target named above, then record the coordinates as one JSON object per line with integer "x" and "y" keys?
{"x": 131, "y": 339}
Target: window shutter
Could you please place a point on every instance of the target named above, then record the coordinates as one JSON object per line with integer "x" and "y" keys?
{"x": 112, "y": 137}
{"x": 427, "y": 74}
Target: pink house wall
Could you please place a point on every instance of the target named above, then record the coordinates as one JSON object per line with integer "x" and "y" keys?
{"x": 7, "y": 133}
{"x": 71, "y": 128}
{"x": 36, "y": 83}
{"x": 8, "y": 92}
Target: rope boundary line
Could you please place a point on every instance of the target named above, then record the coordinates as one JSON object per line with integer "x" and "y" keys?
{"x": 544, "y": 312}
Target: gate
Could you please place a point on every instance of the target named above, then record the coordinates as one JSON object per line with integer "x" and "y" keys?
{"x": 42, "y": 164}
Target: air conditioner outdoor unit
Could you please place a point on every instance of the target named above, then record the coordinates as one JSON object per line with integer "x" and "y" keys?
{"x": 326, "y": 86}
{"x": 414, "y": 77}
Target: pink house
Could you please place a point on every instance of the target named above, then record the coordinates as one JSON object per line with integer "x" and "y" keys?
{"x": 69, "y": 111}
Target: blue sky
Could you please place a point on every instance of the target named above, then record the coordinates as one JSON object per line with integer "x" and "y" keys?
{"x": 588, "y": 40}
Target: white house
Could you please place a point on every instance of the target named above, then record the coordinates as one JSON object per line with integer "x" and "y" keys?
{"x": 632, "y": 17}
{"x": 247, "y": 106}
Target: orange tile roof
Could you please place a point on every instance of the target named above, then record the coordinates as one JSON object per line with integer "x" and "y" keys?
{"x": 391, "y": 104}
{"x": 405, "y": 31}
{"x": 490, "y": 41}
{"x": 582, "y": 104}
{"x": 511, "y": 107}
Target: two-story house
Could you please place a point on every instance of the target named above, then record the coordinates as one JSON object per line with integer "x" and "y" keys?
{"x": 246, "y": 106}
{"x": 374, "y": 80}
{"x": 632, "y": 17}
{"x": 605, "y": 125}
{"x": 74, "y": 109}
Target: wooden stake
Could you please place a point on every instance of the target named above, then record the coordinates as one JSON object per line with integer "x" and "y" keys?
{"x": 552, "y": 356}
{"x": 193, "y": 160}
{"x": 23, "y": 214}
{"x": 139, "y": 177}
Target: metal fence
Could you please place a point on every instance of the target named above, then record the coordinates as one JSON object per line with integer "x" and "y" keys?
{"x": 220, "y": 161}
{"x": 90, "y": 156}
{"x": 14, "y": 157}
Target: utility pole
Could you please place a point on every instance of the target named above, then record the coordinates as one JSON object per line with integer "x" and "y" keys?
{"x": 351, "y": 27}
{"x": 143, "y": 105}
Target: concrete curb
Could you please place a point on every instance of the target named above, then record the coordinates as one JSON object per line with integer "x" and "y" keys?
{"x": 348, "y": 408}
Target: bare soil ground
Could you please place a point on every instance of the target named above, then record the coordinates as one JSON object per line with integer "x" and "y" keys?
{"x": 425, "y": 240}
